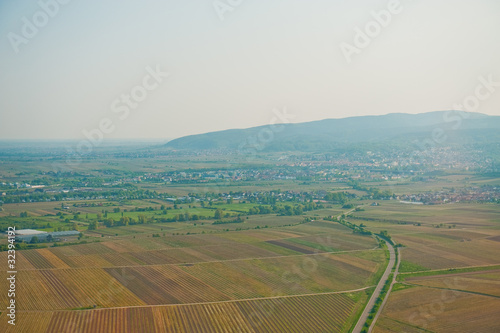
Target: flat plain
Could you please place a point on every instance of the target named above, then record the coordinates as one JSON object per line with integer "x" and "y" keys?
{"x": 255, "y": 256}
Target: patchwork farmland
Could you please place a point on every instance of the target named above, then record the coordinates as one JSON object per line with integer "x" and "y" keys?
{"x": 254, "y": 280}
{"x": 321, "y": 313}
{"x": 253, "y": 261}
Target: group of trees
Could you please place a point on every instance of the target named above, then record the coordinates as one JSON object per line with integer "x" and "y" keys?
{"x": 371, "y": 192}
{"x": 385, "y": 235}
{"x": 47, "y": 239}
{"x": 284, "y": 210}
{"x": 271, "y": 197}
{"x": 236, "y": 220}
{"x": 6, "y": 222}
{"x": 337, "y": 197}
{"x": 142, "y": 219}
{"x": 219, "y": 214}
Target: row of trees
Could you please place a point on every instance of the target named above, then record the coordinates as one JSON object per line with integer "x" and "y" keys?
{"x": 356, "y": 229}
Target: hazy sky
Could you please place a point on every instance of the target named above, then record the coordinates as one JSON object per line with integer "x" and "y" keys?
{"x": 73, "y": 70}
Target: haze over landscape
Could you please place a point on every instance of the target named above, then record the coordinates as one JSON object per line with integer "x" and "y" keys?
{"x": 232, "y": 73}
{"x": 240, "y": 166}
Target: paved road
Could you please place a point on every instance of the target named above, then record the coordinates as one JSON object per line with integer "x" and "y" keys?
{"x": 376, "y": 293}
{"x": 372, "y": 326}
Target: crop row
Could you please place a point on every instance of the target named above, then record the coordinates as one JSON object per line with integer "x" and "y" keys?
{"x": 68, "y": 289}
{"x": 165, "y": 285}
{"x": 283, "y": 276}
{"x": 66, "y": 258}
{"x": 320, "y": 313}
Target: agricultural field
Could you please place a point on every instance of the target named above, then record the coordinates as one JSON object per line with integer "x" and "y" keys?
{"x": 422, "y": 309}
{"x": 253, "y": 279}
{"x": 440, "y": 236}
{"x": 448, "y": 179}
{"x": 318, "y": 313}
{"x": 142, "y": 249}
{"x": 68, "y": 289}
{"x": 247, "y": 255}
{"x": 480, "y": 280}
{"x": 449, "y": 266}
{"x": 461, "y": 214}
{"x": 229, "y": 166}
{"x": 238, "y": 271}
{"x": 261, "y": 257}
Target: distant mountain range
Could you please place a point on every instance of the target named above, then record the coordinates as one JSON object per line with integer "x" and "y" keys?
{"x": 396, "y": 129}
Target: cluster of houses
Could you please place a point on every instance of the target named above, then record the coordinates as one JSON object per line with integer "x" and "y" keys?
{"x": 469, "y": 194}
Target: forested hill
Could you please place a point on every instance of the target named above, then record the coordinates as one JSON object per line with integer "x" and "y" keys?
{"x": 442, "y": 127}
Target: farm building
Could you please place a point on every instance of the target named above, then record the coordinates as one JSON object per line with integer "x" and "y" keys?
{"x": 27, "y": 234}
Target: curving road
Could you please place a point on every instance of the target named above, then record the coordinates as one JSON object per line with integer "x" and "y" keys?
{"x": 366, "y": 312}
